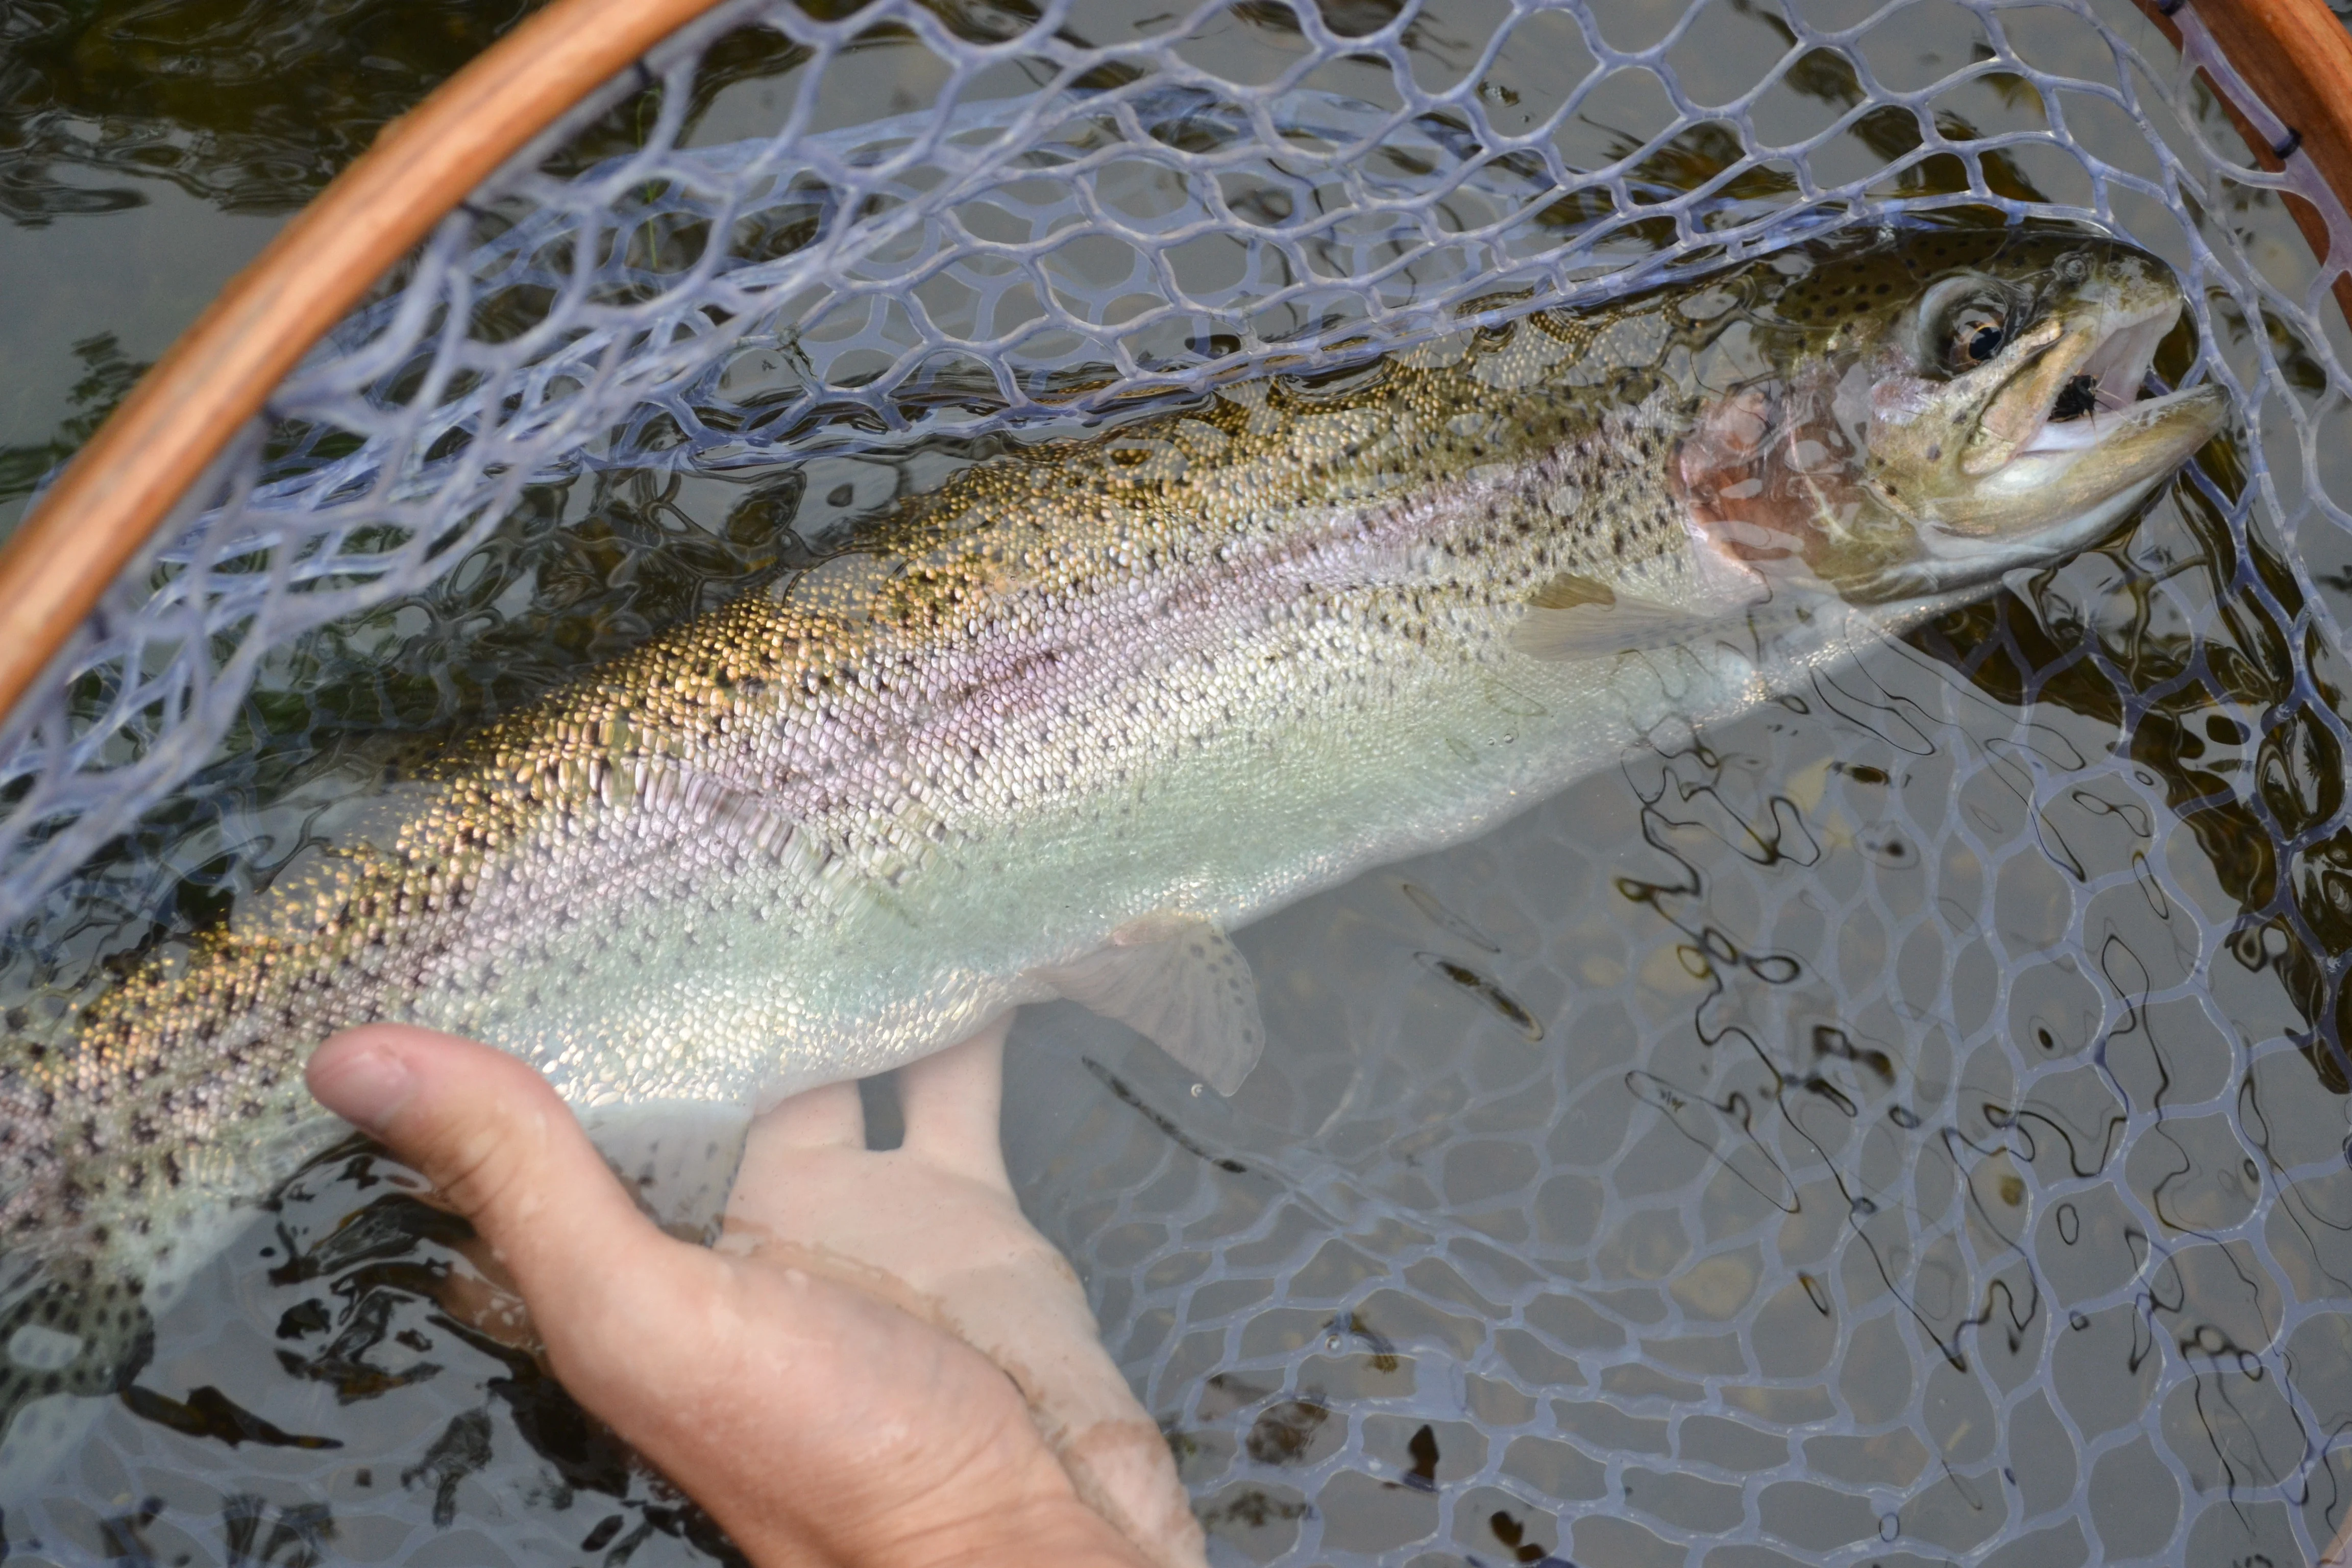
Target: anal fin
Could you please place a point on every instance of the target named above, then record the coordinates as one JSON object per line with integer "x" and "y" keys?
{"x": 1177, "y": 981}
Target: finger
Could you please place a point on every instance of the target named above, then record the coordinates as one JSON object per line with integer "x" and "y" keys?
{"x": 1037, "y": 1327}
{"x": 775, "y": 1159}
{"x": 1121, "y": 1469}
{"x": 953, "y": 1104}
{"x": 503, "y": 1150}
{"x": 832, "y": 1117}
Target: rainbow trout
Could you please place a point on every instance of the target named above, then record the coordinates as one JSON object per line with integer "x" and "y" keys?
{"x": 1101, "y": 703}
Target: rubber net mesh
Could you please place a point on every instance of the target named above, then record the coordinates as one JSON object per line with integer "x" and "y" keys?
{"x": 1908, "y": 1124}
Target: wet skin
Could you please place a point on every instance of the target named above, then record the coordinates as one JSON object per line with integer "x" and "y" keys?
{"x": 881, "y": 1362}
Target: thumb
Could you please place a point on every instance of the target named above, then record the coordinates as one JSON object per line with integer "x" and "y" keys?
{"x": 502, "y": 1149}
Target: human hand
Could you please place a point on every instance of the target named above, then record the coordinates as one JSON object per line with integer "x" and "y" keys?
{"x": 812, "y": 1382}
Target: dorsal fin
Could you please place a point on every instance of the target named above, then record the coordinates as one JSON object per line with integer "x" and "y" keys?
{"x": 1573, "y": 616}
{"x": 1570, "y": 590}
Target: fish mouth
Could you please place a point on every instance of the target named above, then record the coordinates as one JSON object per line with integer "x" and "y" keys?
{"x": 2070, "y": 437}
{"x": 2102, "y": 382}
{"x": 2074, "y": 432}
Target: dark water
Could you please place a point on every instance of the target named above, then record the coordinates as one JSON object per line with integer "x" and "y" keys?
{"x": 148, "y": 152}
{"x": 1904, "y": 1125}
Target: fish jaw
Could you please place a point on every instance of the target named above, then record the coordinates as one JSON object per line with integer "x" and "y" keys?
{"x": 2092, "y": 472}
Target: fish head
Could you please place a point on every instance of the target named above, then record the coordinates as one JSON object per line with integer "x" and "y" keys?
{"x": 1946, "y": 405}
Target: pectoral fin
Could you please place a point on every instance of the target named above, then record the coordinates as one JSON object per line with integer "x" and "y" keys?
{"x": 1175, "y": 980}
{"x": 1573, "y": 616}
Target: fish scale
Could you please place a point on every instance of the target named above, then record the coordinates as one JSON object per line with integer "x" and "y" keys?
{"x": 1189, "y": 670}
{"x": 688, "y": 738}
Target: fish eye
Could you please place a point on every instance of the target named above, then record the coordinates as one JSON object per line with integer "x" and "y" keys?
{"x": 1966, "y": 321}
{"x": 1974, "y": 334}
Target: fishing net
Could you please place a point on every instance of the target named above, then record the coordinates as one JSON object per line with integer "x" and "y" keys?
{"x": 1908, "y": 1124}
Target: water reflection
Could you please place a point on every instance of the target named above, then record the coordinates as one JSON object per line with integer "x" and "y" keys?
{"x": 2214, "y": 679}
{"x": 356, "y": 1288}
{"x": 248, "y": 105}
{"x": 147, "y": 152}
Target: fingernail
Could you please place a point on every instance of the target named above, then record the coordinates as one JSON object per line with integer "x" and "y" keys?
{"x": 366, "y": 1086}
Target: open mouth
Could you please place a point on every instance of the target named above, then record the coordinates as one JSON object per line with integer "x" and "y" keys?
{"x": 2106, "y": 388}
{"x": 2073, "y": 435}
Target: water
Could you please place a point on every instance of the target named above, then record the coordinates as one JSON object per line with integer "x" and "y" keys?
{"x": 1902, "y": 1126}
{"x": 148, "y": 153}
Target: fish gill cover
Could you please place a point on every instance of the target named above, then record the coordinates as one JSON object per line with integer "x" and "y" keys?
{"x": 1909, "y": 1120}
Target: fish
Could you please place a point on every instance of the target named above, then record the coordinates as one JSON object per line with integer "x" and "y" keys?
{"x": 1064, "y": 722}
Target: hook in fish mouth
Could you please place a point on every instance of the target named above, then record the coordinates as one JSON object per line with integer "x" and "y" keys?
{"x": 2101, "y": 372}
